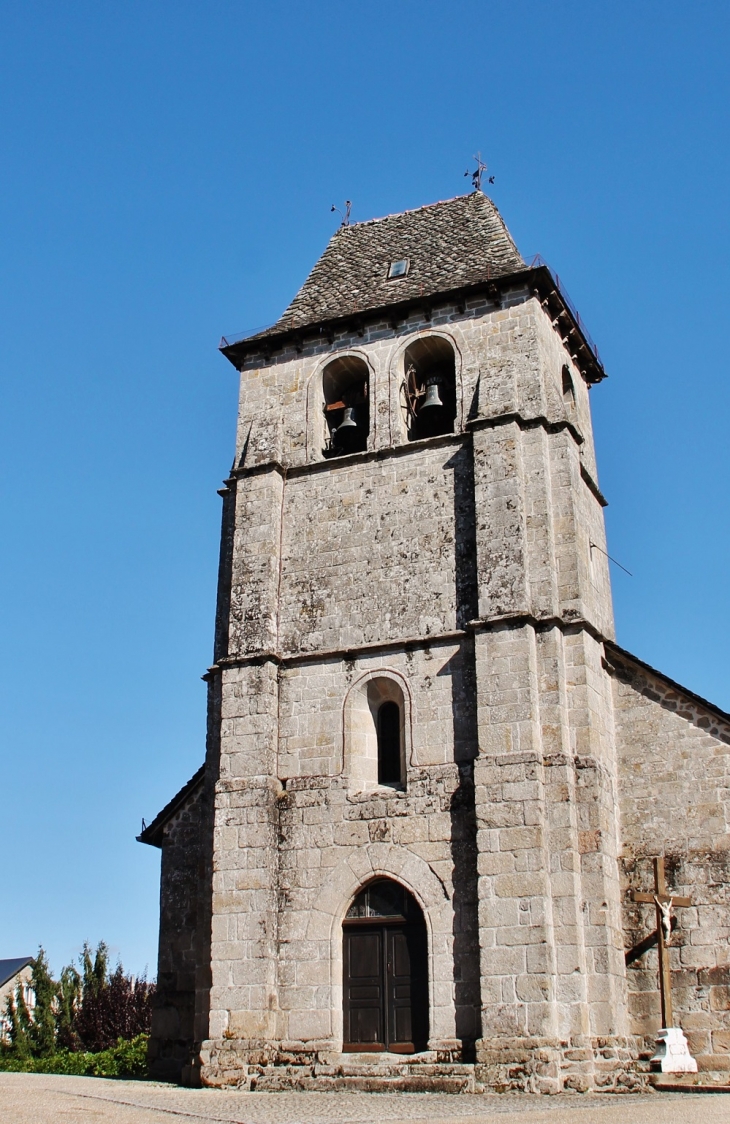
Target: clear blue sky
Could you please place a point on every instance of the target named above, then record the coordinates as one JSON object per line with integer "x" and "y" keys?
{"x": 167, "y": 175}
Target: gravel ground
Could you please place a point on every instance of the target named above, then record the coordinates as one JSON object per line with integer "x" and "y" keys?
{"x": 28, "y": 1098}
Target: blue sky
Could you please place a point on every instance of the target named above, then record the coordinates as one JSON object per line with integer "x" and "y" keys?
{"x": 167, "y": 176}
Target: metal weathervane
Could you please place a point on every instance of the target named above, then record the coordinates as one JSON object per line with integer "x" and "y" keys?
{"x": 346, "y": 217}
{"x": 476, "y": 177}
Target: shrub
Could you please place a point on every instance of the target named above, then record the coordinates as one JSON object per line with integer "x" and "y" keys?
{"x": 125, "y": 1059}
{"x": 112, "y": 1006}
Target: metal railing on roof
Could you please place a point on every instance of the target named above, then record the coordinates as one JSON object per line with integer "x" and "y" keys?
{"x": 539, "y": 260}
{"x": 227, "y": 341}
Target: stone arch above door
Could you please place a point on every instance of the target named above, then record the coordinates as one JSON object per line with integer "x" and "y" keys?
{"x": 388, "y": 860}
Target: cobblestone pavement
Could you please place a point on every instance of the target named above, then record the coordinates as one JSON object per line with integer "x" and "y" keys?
{"x": 39, "y": 1099}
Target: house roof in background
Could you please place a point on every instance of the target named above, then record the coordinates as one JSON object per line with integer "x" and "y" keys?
{"x": 11, "y": 967}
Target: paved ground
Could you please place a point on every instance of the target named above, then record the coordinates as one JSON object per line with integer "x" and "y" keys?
{"x": 27, "y": 1098}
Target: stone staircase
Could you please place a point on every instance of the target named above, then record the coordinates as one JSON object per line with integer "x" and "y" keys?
{"x": 368, "y": 1073}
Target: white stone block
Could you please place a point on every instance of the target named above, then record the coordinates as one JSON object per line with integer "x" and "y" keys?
{"x": 672, "y": 1052}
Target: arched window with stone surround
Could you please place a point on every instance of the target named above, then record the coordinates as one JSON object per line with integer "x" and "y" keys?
{"x": 375, "y": 733}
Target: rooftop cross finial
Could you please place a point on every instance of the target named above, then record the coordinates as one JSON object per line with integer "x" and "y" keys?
{"x": 476, "y": 177}
{"x": 346, "y": 216}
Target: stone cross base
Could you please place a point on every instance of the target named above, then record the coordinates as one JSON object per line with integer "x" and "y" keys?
{"x": 672, "y": 1052}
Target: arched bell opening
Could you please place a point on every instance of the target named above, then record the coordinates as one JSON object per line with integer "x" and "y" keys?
{"x": 385, "y": 971}
{"x": 346, "y": 387}
{"x": 430, "y": 386}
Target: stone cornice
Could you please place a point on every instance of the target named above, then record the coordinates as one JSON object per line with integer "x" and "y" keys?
{"x": 350, "y": 652}
{"x": 539, "y": 421}
{"x": 592, "y": 486}
{"x": 446, "y": 439}
{"x": 353, "y": 651}
{"x": 369, "y": 455}
{"x": 541, "y": 624}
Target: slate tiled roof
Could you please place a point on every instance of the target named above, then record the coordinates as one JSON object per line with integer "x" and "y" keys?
{"x": 459, "y": 242}
{"x": 10, "y": 968}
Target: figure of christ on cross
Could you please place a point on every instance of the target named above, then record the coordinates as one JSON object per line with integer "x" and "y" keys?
{"x": 664, "y": 903}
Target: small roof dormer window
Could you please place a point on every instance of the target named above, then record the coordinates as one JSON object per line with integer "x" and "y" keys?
{"x": 398, "y": 269}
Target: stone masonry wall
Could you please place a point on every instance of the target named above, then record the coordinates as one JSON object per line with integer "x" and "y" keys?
{"x": 400, "y": 530}
{"x": 174, "y": 1008}
{"x": 278, "y": 973}
{"x": 395, "y": 567}
{"x": 398, "y": 536}
{"x": 549, "y": 914}
{"x": 508, "y": 360}
{"x": 422, "y": 837}
{"x": 674, "y": 787}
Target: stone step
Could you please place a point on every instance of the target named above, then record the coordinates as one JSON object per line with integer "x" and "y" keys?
{"x": 370, "y": 1083}
{"x": 427, "y": 1069}
{"x": 394, "y": 1075}
{"x": 703, "y": 1082}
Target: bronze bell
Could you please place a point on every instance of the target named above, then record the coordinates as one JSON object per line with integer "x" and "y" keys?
{"x": 347, "y": 428}
{"x": 348, "y": 419}
{"x": 432, "y": 395}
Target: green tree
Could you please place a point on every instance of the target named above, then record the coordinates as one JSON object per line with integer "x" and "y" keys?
{"x": 67, "y": 1008}
{"x": 90, "y": 1010}
{"x": 20, "y": 1023}
{"x": 95, "y": 971}
{"x": 42, "y": 1028}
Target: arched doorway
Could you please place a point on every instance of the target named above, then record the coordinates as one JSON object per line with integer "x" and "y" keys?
{"x": 385, "y": 964}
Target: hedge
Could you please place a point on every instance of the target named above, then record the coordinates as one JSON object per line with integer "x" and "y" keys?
{"x": 126, "y": 1059}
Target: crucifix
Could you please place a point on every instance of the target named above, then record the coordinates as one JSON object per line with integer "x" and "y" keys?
{"x": 664, "y": 903}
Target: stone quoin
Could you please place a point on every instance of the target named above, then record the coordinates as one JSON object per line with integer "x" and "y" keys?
{"x": 432, "y": 778}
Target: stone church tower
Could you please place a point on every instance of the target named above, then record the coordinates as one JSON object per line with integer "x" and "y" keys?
{"x": 431, "y": 775}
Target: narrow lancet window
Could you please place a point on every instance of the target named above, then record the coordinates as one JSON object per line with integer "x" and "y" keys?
{"x": 389, "y": 744}
{"x": 568, "y": 389}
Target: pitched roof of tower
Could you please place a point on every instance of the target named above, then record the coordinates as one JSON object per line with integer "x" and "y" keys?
{"x": 461, "y": 241}
{"x": 453, "y": 249}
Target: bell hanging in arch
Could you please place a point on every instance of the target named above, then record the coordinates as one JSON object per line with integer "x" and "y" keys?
{"x": 432, "y": 395}
{"x": 346, "y": 431}
{"x": 348, "y": 419}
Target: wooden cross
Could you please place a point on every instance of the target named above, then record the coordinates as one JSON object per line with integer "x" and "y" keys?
{"x": 660, "y": 898}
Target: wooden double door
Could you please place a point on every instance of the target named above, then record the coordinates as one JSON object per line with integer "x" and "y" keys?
{"x": 385, "y": 985}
